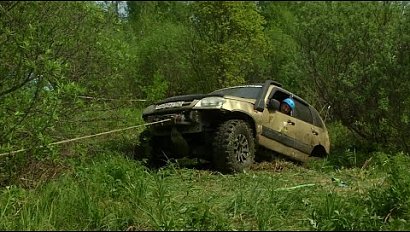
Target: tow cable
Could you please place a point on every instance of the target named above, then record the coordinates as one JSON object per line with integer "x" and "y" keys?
{"x": 86, "y": 137}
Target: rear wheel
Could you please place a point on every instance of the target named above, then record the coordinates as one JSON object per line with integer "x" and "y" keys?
{"x": 234, "y": 146}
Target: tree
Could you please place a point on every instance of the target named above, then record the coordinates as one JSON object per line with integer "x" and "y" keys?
{"x": 283, "y": 56}
{"x": 50, "y": 53}
{"x": 229, "y": 43}
{"x": 347, "y": 49}
{"x": 162, "y": 62}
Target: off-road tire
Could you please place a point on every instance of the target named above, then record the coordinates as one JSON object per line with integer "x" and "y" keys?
{"x": 148, "y": 150}
{"x": 233, "y": 146}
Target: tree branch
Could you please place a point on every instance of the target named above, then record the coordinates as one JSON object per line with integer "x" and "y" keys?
{"x": 16, "y": 87}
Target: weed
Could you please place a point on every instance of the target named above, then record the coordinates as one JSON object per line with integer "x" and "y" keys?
{"x": 392, "y": 199}
{"x": 95, "y": 185}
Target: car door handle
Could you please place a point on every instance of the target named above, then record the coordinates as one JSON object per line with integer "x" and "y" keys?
{"x": 315, "y": 132}
{"x": 291, "y": 123}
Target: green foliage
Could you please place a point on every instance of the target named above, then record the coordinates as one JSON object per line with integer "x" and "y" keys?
{"x": 106, "y": 191}
{"x": 146, "y": 14}
{"x": 347, "y": 150}
{"x": 164, "y": 52}
{"x": 384, "y": 206}
{"x": 229, "y": 42}
{"x": 283, "y": 57}
{"x": 45, "y": 70}
{"x": 337, "y": 213}
{"x": 157, "y": 90}
{"x": 348, "y": 50}
{"x": 351, "y": 56}
{"x": 164, "y": 49}
{"x": 35, "y": 83}
{"x": 340, "y": 136}
{"x": 393, "y": 201}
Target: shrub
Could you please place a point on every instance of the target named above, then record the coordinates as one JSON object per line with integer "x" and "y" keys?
{"x": 391, "y": 199}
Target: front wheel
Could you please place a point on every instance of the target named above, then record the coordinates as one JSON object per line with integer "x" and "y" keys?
{"x": 234, "y": 146}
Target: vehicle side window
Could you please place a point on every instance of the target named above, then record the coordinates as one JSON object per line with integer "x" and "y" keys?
{"x": 302, "y": 112}
{"x": 278, "y": 95}
{"x": 317, "y": 121}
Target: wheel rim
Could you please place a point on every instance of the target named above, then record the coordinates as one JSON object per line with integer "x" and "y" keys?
{"x": 241, "y": 148}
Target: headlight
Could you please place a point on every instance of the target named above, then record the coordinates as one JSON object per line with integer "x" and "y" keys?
{"x": 210, "y": 102}
{"x": 148, "y": 110}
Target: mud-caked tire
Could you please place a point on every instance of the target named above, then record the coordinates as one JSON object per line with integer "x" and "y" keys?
{"x": 148, "y": 150}
{"x": 233, "y": 146}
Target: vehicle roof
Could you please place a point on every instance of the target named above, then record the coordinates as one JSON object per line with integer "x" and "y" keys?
{"x": 260, "y": 85}
{"x": 241, "y": 86}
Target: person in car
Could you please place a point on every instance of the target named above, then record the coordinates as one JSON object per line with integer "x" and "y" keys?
{"x": 287, "y": 106}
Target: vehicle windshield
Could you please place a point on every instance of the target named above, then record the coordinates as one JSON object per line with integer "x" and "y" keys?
{"x": 250, "y": 91}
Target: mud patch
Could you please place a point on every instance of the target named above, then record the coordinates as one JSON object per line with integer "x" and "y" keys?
{"x": 36, "y": 172}
{"x": 274, "y": 166}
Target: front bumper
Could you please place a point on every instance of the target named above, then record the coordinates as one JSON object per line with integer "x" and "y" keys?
{"x": 185, "y": 122}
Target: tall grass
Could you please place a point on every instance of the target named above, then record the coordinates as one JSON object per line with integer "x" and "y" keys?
{"x": 384, "y": 206}
{"x": 112, "y": 192}
{"x": 102, "y": 188}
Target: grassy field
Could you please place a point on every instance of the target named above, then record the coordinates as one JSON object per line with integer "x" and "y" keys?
{"x": 95, "y": 185}
{"x": 108, "y": 191}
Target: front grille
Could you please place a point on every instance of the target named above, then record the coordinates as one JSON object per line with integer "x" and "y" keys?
{"x": 186, "y": 103}
{"x": 157, "y": 118}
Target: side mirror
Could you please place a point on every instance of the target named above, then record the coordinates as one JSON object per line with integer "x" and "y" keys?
{"x": 273, "y": 104}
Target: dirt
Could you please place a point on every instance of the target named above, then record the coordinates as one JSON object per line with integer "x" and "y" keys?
{"x": 36, "y": 172}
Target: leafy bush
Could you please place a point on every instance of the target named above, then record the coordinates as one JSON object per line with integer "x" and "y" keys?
{"x": 338, "y": 213}
{"x": 391, "y": 198}
{"x": 346, "y": 149}
{"x": 158, "y": 89}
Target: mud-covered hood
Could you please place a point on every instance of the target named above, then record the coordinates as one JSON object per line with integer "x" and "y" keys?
{"x": 170, "y": 104}
{"x": 184, "y": 102}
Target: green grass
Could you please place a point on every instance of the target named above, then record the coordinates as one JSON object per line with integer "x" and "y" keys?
{"x": 111, "y": 192}
{"x": 94, "y": 185}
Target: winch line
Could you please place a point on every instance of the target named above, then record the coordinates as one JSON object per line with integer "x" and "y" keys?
{"x": 111, "y": 99}
{"x": 86, "y": 137}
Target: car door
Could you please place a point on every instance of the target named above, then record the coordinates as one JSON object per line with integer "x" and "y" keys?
{"x": 278, "y": 130}
{"x": 302, "y": 131}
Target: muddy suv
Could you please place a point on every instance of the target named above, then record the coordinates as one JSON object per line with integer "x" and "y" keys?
{"x": 229, "y": 126}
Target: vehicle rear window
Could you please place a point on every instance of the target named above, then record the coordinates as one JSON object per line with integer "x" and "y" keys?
{"x": 251, "y": 92}
{"x": 317, "y": 120}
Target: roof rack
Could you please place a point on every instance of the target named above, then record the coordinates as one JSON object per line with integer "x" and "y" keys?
{"x": 276, "y": 83}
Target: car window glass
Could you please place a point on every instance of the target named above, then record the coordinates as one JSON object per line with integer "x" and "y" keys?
{"x": 251, "y": 92}
{"x": 317, "y": 121}
{"x": 302, "y": 112}
{"x": 279, "y": 95}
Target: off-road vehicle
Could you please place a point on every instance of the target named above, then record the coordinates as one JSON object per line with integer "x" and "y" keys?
{"x": 228, "y": 126}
